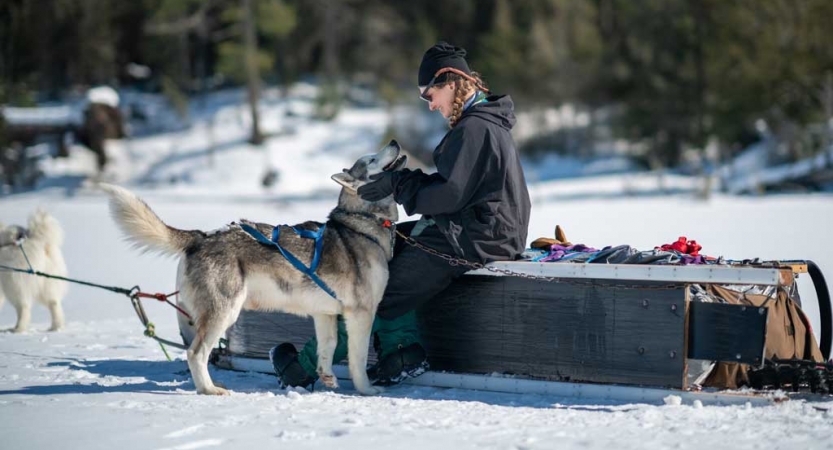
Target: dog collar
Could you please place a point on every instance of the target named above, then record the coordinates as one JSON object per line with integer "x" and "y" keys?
{"x": 384, "y": 223}
{"x": 21, "y": 234}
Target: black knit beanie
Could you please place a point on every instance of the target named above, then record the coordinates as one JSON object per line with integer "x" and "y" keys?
{"x": 438, "y": 57}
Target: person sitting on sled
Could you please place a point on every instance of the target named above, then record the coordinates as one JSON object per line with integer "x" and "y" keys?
{"x": 476, "y": 206}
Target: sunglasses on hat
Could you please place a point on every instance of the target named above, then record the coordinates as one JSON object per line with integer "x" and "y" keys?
{"x": 423, "y": 90}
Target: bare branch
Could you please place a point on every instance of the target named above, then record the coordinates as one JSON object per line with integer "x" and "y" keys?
{"x": 183, "y": 25}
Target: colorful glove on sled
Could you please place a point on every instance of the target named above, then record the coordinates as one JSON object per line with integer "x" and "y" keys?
{"x": 690, "y": 247}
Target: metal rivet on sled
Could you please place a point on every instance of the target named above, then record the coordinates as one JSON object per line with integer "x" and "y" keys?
{"x": 644, "y": 303}
{"x": 761, "y": 311}
{"x": 672, "y": 354}
{"x": 641, "y": 350}
{"x": 673, "y": 307}
{"x": 737, "y": 356}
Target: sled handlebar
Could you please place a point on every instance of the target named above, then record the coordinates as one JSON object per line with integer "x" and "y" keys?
{"x": 825, "y": 311}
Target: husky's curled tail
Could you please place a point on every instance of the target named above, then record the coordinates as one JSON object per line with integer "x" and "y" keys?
{"x": 143, "y": 228}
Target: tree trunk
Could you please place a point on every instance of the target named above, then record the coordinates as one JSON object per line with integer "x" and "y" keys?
{"x": 331, "y": 66}
{"x": 252, "y": 76}
{"x": 827, "y": 104}
{"x": 699, "y": 61}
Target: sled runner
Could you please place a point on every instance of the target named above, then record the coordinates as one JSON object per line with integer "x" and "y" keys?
{"x": 629, "y": 332}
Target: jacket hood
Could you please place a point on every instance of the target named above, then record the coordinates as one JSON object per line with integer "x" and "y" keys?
{"x": 497, "y": 109}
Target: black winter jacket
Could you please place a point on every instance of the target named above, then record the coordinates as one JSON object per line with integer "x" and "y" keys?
{"x": 478, "y": 196}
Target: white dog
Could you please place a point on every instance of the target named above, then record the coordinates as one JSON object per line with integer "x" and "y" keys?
{"x": 42, "y": 244}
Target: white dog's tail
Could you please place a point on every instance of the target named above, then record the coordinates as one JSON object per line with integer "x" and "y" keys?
{"x": 143, "y": 227}
{"x": 45, "y": 227}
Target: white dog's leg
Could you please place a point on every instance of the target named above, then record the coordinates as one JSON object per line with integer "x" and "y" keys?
{"x": 2, "y": 301}
{"x": 359, "y": 323}
{"x": 209, "y": 330}
{"x": 326, "y": 333}
{"x": 24, "y": 316}
{"x": 57, "y": 315}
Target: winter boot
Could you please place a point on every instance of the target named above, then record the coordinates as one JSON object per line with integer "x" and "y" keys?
{"x": 404, "y": 362}
{"x": 284, "y": 359}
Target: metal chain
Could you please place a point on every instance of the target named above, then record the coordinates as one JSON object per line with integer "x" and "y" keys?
{"x": 455, "y": 261}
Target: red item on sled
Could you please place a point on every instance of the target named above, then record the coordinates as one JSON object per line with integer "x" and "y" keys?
{"x": 683, "y": 245}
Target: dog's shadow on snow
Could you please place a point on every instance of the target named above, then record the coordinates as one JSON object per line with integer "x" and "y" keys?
{"x": 505, "y": 399}
{"x": 82, "y": 376}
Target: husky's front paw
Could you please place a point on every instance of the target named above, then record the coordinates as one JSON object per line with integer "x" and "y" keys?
{"x": 215, "y": 391}
{"x": 371, "y": 390}
{"x": 329, "y": 380}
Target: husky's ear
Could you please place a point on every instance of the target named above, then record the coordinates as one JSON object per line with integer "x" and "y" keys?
{"x": 345, "y": 180}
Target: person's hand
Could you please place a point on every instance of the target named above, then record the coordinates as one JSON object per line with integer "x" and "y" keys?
{"x": 382, "y": 186}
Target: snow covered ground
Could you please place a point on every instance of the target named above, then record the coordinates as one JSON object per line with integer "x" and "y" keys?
{"x": 101, "y": 384}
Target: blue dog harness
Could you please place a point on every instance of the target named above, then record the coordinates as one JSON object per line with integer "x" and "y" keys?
{"x": 316, "y": 257}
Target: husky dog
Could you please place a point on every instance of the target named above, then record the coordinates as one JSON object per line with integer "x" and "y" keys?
{"x": 224, "y": 271}
{"x": 41, "y": 243}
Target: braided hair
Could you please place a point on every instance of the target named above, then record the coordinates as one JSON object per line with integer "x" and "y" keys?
{"x": 463, "y": 88}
